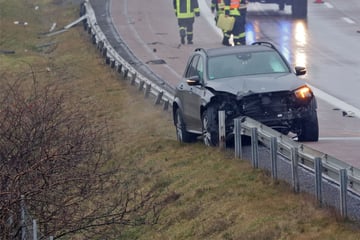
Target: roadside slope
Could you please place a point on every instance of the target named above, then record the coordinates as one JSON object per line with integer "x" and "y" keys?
{"x": 211, "y": 194}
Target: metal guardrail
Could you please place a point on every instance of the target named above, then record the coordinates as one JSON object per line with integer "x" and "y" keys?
{"x": 115, "y": 61}
{"x": 321, "y": 164}
{"x": 306, "y": 155}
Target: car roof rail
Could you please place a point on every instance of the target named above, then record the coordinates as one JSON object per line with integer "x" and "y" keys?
{"x": 264, "y": 43}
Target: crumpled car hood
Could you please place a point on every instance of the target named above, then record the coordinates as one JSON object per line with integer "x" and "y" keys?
{"x": 257, "y": 84}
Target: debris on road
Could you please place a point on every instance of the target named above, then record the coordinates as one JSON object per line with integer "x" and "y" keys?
{"x": 64, "y": 29}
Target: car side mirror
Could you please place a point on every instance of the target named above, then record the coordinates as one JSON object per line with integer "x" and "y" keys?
{"x": 193, "y": 80}
{"x": 300, "y": 71}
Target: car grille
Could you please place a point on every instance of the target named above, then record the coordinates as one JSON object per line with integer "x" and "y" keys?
{"x": 269, "y": 106}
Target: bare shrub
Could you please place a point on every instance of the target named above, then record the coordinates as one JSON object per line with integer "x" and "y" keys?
{"x": 55, "y": 156}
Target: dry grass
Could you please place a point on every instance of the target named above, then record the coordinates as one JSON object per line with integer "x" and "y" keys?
{"x": 212, "y": 195}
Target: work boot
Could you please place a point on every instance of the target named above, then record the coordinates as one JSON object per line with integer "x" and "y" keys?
{"x": 190, "y": 39}
{"x": 182, "y": 36}
{"x": 182, "y": 40}
{"x": 225, "y": 41}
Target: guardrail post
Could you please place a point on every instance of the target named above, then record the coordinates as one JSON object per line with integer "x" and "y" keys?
{"x": 107, "y": 60}
{"x": 147, "y": 90}
{"x": 133, "y": 79}
{"x": 294, "y": 167}
{"x": 159, "y": 97}
{"x": 104, "y": 52}
{"x": 237, "y": 133}
{"x": 166, "y": 105}
{"x": 222, "y": 131}
{"x": 273, "y": 155}
{"x": 343, "y": 193}
{"x": 254, "y": 148}
{"x": 125, "y": 74}
{"x": 34, "y": 230}
{"x": 82, "y": 9}
{"x": 85, "y": 24}
{"x": 318, "y": 179}
{"x": 119, "y": 68}
{"x": 100, "y": 45}
{"x": 141, "y": 85}
{"x": 23, "y": 223}
{"x": 112, "y": 64}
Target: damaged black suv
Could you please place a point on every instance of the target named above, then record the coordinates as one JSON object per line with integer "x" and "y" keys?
{"x": 250, "y": 80}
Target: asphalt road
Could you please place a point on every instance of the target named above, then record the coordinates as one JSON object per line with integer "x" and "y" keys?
{"x": 327, "y": 43}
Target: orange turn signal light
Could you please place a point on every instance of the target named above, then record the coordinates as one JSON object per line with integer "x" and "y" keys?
{"x": 303, "y": 92}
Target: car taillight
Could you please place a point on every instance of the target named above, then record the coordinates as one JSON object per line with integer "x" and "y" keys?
{"x": 303, "y": 93}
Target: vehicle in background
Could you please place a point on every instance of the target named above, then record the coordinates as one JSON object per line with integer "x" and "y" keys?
{"x": 298, "y": 7}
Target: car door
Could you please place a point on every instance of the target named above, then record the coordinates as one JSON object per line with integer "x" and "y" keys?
{"x": 192, "y": 95}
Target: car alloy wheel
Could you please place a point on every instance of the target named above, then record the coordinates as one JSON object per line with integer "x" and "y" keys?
{"x": 210, "y": 128}
{"x": 179, "y": 126}
{"x": 181, "y": 134}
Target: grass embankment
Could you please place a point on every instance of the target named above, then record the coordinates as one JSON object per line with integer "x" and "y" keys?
{"x": 215, "y": 195}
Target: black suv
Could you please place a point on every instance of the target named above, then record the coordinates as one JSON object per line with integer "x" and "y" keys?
{"x": 249, "y": 80}
{"x": 298, "y": 7}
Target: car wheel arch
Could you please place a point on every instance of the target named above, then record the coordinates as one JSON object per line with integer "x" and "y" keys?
{"x": 176, "y": 105}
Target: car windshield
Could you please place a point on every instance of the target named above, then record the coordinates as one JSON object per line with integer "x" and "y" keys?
{"x": 247, "y": 63}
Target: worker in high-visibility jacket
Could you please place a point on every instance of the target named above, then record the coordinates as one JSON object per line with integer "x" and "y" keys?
{"x": 186, "y": 11}
{"x": 237, "y": 9}
{"x": 218, "y": 6}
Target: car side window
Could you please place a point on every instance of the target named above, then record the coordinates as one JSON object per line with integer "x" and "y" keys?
{"x": 200, "y": 69}
{"x": 195, "y": 68}
{"x": 277, "y": 64}
{"x": 192, "y": 68}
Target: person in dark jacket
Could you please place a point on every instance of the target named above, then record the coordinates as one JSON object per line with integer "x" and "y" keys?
{"x": 218, "y": 6}
{"x": 185, "y": 11}
{"x": 237, "y": 9}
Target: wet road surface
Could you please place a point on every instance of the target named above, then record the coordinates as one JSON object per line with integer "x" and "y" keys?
{"x": 327, "y": 43}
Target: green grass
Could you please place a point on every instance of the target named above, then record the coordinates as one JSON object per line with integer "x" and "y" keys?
{"x": 210, "y": 194}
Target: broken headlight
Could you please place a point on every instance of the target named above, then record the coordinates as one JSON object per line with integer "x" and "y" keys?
{"x": 303, "y": 94}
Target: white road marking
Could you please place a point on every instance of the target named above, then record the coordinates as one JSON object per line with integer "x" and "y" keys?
{"x": 348, "y": 20}
{"x": 335, "y": 101}
{"x": 328, "y": 5}
{"x": 340, "y": 138}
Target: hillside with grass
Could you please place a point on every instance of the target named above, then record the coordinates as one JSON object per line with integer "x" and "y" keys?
{"x": 201, "y": 193}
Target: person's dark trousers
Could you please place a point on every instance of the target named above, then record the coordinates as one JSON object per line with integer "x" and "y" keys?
{"x": 186, "y": 29}
{"x": 226, "y": 38}
{"x": 239, "y": 31}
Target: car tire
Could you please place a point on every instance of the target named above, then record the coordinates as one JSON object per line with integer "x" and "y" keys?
{"x": 210, "y": 127}
{"x": 182, "y": 135}
{"x": 309, "y": 131}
